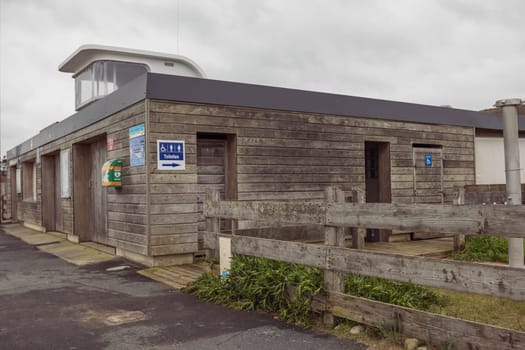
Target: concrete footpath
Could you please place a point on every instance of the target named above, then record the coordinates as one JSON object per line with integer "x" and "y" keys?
{"x": 49, "y": 303}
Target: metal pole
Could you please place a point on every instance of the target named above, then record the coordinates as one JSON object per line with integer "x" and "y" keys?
{"x": 512, "y": 169}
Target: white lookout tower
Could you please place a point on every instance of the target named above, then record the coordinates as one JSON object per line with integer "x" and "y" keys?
{"x": 99, "y": 70}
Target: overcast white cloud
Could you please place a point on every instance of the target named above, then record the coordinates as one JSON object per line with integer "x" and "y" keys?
{"x": 464, "y": 53}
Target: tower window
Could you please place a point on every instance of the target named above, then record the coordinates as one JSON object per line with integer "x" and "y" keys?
{"x": 102, "y": 78}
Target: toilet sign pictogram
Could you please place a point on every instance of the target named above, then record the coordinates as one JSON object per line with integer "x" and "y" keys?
{"x": 171, "y": 155}
{"x": 428, "y": 159}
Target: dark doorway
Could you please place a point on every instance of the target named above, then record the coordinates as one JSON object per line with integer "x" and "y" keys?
{"x": 89, "y": 196}
{"x": 217, "y": 168}
{"x": 51, "y": 208}
{"x": 14, "y": 194}
{"x": 377, "y": 182}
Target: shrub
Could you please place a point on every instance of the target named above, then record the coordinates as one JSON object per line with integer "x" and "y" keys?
{"x": 263, "y": 284}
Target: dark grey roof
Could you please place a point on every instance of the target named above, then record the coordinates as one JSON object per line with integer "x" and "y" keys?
{"x": 198, "y": 90}
{"x": 207, "y": 91}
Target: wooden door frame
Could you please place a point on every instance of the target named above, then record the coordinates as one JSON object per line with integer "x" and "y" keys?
{"x": 230, "y": 168}
{"x": 230, "y": 160}
{"x": 431, "y": 148}
{"x": 14, "y": 195}
{"x": 82, "y": 188}
{"x": 81, "y": 162}
{"x": 48, "y": 181}
{"x": 384, "y": 178}
{"x": 99, "y": 213}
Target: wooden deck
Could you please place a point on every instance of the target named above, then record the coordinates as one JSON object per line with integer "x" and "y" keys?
{"x": 176, "y": 276}
{"x": 436, "y": 247}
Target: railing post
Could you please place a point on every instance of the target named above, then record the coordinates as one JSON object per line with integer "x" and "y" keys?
{"x": 212, "y": 224}
{"x": 358, "y": 234}
{"x": 459, "y": 240}
{"x": 333, "y": 236}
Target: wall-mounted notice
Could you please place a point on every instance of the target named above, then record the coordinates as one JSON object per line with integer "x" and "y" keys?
{"x": 137, "y": 156}
{"x": 65, "y": 187}
{"x": 428, "y": 160}
{"x": 170, "y": 155}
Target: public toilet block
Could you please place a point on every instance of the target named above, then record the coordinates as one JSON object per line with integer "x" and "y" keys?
{"x": 169, "y": 133}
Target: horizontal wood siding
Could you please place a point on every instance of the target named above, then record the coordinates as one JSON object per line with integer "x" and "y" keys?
{"x": 126, "y": 207}
{"x": 292, "y": 155}
{"x": 29, "y": 210}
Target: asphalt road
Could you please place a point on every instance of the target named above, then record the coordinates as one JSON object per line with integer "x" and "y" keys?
{"x": 47, "y": 303}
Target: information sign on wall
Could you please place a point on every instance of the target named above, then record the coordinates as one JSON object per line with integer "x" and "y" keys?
{"x": 137, "y": 155}
{"x": 428, "y": 159}
{"x": 171, "y": 155}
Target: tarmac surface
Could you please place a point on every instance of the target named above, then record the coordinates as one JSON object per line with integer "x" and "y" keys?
{"x": 48, "y": 303}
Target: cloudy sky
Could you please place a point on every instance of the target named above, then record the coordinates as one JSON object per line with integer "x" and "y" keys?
{"x": 464, "y": 53}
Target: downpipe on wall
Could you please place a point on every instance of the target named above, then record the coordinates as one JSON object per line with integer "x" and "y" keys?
{"x": 512, "y": 169}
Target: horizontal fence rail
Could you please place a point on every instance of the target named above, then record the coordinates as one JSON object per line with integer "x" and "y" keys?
{"x": 490, "y": 220}
{"x": 335, "y": 259}
{"x": 498, "y": 281}
{"x": 433, "y": 328}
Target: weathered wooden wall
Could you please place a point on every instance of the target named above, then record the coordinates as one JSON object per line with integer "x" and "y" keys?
{"x": 488, "y": 194}
{"x": 279, "y": 155}
{"x": 126, "y": 207}
{"x": 4, "y": 197}
{"x": 287, "y": 155}
{"x": 29, "y": 210}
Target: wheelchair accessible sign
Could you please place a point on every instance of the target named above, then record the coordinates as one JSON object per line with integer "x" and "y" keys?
{"x": 171, "y": 155}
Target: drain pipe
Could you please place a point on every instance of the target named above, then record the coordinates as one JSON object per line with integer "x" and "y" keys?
{"x": 512, "y": 169}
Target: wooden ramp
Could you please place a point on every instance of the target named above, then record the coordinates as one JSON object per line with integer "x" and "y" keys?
{"x": 178, "y": 276}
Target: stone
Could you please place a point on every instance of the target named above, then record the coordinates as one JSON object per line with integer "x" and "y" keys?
{"x": 357, "y": 329}
{"x": 424, "y": 347}
{"x": 411, "y": 343}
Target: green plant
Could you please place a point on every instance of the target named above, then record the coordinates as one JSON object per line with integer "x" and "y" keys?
{"x": 483, "y": 248}
{"x": 447, "y": 346}
{"x": 262, "y": 284}
{"x": 397, "y": 293}
{"x": 287, "y": 289}
{"x": 384, "y": 331}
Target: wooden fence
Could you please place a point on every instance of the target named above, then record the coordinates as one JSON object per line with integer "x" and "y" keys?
{"x": 335, "y": 259}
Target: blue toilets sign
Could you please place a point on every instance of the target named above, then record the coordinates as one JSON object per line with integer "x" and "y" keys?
{"x": 171, "y": 155}
{"x": 428, "y": 159}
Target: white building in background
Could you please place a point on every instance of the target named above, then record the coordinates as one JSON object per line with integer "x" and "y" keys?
{"x": 490, "y": 160}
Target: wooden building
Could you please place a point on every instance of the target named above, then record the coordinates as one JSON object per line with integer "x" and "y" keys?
{"x": 249, "y": 141}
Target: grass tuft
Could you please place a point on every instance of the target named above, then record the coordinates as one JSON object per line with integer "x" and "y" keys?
{"x": 484, "y": 248}
{"x": 397, "y": 293}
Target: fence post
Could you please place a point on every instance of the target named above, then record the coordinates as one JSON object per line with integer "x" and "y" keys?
{"x": 459, "y": 240}
{"x": 333, "y": 236}
{"x": 358, "y": 234}
{"x": 212, "y": 224}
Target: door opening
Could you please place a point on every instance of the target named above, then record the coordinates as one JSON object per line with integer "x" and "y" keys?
{"x": 377, "y": 182}
{"x": 14, "y": 194}
{"x": 52, "y": 208}
{"x": 217, "y": 168}
{"x": 428, "y": 173}
{"x": 89, "y": 203}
